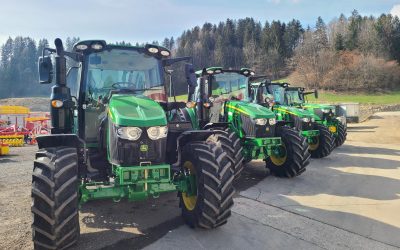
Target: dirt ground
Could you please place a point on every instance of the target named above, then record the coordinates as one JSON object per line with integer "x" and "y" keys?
{"x": 152, "y": 223}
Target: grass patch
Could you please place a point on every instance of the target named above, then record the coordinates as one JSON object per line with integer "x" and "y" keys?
{"x": 179, "y": 98}
{"x": 328, "y": 97}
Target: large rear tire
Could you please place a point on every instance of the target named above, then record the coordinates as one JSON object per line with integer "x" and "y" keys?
{"x": 324, "y": 144}
{"x": 341, "y": 136}
{"x": 296, "y": 157}
{"x": 230, "y": 142}
{"x": 211, "y": 206}
{"x": 55, "y": 198}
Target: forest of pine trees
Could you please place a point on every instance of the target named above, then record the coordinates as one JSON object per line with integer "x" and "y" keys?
{"x": 348, "y": 53}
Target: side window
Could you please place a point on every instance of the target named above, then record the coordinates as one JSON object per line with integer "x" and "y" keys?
{"x": 73, "y": 80}
{"x": 242, "y": 83}
{"x": 235, "y": 84}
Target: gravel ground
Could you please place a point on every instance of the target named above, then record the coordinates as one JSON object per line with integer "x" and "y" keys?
{"x": 15, "y": 214}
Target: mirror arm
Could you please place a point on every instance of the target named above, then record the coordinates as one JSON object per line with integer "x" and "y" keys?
{"x": 170, "y": 61}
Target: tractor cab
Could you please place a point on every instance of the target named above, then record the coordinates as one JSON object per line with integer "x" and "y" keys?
{"x": 220, "y": 86}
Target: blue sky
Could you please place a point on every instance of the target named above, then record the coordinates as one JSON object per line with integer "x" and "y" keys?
{"x": 134, "y": 20}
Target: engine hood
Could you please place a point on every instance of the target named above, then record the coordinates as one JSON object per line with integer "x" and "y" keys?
{"x": 137, "y": 111}
{"x": 252, "y": 110}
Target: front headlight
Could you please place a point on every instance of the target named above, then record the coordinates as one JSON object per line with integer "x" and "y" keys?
{"x": 129, "y": 133}
{"x": 157, "y": 132}
{"x": 305, "y": 119}
{"x": 261, "y": 121}
{"x": 272, "y": 121}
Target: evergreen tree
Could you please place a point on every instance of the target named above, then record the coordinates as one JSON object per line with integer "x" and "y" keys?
{"x": 353, "y": 30}
{"x": 320, "y": 34}
{"x": 339, "y": 42}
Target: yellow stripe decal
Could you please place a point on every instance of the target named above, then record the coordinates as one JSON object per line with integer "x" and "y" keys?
{"x": 111, "y": 115}
{"x": 237, "y": 109}
{"x": 285, "y": 111}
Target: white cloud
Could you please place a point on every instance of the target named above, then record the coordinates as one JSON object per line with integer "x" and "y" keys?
{"x": 395, "y": 11}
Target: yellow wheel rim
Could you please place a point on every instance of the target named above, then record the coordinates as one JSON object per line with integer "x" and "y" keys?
{"x": 332, "y": 129}
{"x": 279, "y": 160}
{"x": 189, "y": 201}
{"x": 314, "y": 146}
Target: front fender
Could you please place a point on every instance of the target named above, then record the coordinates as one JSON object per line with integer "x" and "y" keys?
{"x": 187, "y": 137}
{"x": 59, "y": 140}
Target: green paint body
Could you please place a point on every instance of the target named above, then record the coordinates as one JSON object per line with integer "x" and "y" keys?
{"x": 253, "y": 148}
{"x": 136, "y": 111}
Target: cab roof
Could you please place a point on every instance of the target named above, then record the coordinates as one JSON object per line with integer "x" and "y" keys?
{"x": 219, "y": 70}
{"x": 101, "y": 45}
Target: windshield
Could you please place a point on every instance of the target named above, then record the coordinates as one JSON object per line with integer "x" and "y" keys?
{"x": 278, "y": 92}
{"x": 293, "y": 97}
{"x": 229, "y": 84}
{"x": 124, "y": 69}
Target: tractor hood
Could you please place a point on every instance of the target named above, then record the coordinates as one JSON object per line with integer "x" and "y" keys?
{"x": 136, "y": 111}
{"x": 252, "y": 110}
{"x": 301, "y": 113}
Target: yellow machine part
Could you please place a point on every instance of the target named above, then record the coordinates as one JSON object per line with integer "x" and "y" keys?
{"x": 36, "y": 119}
{"x": 12, "y": 140}
{"x": 17, "y": 110}
{"x": 4, "y": 149}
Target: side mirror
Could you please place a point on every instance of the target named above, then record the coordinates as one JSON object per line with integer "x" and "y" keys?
{"x": 316, "y": 94}
{"x": 190, "y": 74}
{"x": 45, "y": 69}
{"x": 190, "y": 77}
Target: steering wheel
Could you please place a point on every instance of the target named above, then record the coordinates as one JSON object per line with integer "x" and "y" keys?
{"x": 122, "y": 85}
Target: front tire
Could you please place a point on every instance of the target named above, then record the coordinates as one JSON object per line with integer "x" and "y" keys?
{"x": 296, "y": 157}
{"x": 341, "y": 135}
{"x": 55, "y": 198}
{"x": 211, "y": 206}
{"x": 324, "y": 143}
{"x": 231, "y": 144}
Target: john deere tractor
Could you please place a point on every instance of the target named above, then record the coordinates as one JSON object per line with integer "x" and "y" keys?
{"x": 325, "y": 115}
{"x": 286, "y": 103}
{"x": 253, "y": 130}
{"x": 114, "y": 136}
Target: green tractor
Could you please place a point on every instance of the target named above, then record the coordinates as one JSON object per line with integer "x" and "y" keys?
{"x": 286, "y": 102}
{"x": 114, "y": 136}
{"x": 252, "y": 129}
{"x": 325, "y": 115}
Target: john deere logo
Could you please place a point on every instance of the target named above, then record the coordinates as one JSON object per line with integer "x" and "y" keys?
{"x": 144, "y": 148}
